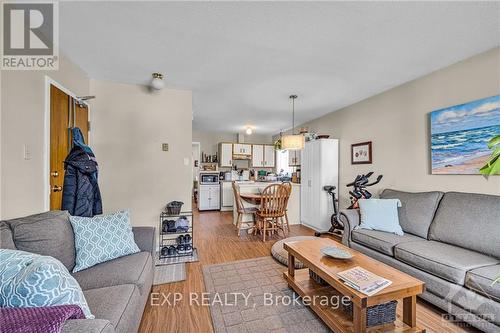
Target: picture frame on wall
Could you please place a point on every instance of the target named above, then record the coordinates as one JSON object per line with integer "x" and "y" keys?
{"x": 361, "y": 153}
{"x": 465, "y": 138}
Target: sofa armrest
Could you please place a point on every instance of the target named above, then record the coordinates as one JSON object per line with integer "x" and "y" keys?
{"x": 87, "y": 326}
{"x": 350, "y": 218}
{"x": 145, "y": 238}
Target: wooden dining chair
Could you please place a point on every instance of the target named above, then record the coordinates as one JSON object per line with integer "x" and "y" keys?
{"x": 241, "y": 209}
{"x": 289, "y": 187}
{"x": 272, "y": 208}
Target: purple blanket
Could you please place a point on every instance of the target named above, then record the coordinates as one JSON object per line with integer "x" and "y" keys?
{"x": 38, "y": 320}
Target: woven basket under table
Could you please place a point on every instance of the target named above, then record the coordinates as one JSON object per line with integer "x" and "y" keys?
{"x": 375, "y": 315}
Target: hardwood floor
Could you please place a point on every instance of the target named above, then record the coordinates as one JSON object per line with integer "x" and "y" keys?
{"x": 217, "y": 242}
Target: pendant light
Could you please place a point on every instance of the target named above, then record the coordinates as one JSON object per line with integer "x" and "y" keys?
{"x": 293, "y": 141}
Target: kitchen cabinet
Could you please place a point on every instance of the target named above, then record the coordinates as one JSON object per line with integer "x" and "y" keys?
{"x": 269, "y": 156}
{"x": 258, "y": 156}
{"x": 209, "y": 197}
{"x": 320, "y": 167}
{"x": 242, "y": 149}
{"x": 263, "y": 156}
{"x": 294, "y": 157}
{"x": 227, "y": 196}
{"x": 225, "y": 155}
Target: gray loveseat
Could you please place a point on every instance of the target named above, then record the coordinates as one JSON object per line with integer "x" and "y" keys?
{"x": 451, "y": 242}
{"x": 116, "y": 291}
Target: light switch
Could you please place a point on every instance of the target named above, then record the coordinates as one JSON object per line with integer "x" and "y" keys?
{"x": 186, "y": 161}
{"x": 164, "y": 146}
{"x": 26, "y": 152}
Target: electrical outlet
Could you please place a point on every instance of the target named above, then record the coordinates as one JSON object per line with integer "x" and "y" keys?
{"x": 26, "y": 152}
{"x": 164, "y": 146}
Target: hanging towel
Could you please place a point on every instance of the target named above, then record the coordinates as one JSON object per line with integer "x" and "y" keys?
{"x": 81, "y": 194}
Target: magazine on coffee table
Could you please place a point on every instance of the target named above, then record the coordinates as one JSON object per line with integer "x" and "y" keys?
{"x": 364, "y": 281}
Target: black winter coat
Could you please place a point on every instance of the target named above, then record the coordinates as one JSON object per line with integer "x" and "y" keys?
{"x": 81, "y": 195}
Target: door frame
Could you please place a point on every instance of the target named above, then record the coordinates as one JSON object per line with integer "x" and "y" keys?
{"x": 46, "y": 146}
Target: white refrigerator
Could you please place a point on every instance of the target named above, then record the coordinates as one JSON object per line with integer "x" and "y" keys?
{"x": 319, "y": 168}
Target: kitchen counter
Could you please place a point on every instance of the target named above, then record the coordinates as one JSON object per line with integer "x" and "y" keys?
{"x": 258, "y": 187}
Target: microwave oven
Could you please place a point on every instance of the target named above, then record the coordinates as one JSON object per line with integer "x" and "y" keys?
{"x": 209, "y": 178}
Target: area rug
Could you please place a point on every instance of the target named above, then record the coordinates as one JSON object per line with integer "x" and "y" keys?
{"x": 169, "y": 273}
{"x": 255, "y": 278}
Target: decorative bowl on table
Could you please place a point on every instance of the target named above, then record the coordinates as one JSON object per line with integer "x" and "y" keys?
{"x": 335, "y": 252}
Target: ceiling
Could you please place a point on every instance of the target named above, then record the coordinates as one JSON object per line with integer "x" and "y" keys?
{"x": 243, "y": 59}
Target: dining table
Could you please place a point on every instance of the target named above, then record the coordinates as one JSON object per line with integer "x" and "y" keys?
{"x": 252, "y": 198}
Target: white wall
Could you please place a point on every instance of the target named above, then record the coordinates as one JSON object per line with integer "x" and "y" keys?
{"x": 397, "y": 122}
{"x": 129, "y": 125}
{"x": 23, "y": 99}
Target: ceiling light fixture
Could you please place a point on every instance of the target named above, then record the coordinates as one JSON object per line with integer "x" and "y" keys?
{"x": 157, "y": 83}
{"x": 249, "y": 131}
{"x": 293, "y": 141}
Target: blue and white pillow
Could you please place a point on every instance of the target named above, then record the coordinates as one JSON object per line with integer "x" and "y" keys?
{"x": 31, "y": 280}
{"x": 102, "y": 238}
{"x": 380, "y": 214}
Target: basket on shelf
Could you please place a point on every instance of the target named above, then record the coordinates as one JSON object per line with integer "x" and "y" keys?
{"x": 174, "y": 207}
{"x": 375, "y": 315}
{"x": 378, "y": 314}
{"x": 317, "y": 278}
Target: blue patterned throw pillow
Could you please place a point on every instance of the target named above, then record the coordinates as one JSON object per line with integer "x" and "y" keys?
{"x": 102, "y": 238}
{"x": 31, "y": 280}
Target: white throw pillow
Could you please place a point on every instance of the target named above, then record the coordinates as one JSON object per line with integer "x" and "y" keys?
{"x": 380, "y": 214}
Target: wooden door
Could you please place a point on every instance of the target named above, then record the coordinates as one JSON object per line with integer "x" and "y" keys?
{"x": 64, "y": 114}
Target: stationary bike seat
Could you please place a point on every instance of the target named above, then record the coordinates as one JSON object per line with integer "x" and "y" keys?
{"x": 329, "y": 189}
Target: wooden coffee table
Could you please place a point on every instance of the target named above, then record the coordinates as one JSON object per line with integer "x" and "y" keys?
{"x": 403, "y": 287}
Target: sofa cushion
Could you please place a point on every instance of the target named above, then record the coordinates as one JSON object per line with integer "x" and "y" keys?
{"x": 31, "y": 280}
{"x": 417, "y": 209}
{"x": 88, "y": 326}
{"x": 380, "y": 214}
{"x": 381, "y": 241}
{"x": 481, "y": 281}
{"x": 446, "y": 261}
{"x": 131, "y": 269}
{"x": 6, "y": 241}
{"x": 48, "y": 234}
{"x": 102, "y": 238}
{"x": 118, "y": 304}
{"x": 469, "y": 221}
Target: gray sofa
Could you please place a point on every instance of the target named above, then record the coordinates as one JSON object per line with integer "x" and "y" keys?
{"x": 451, "y": 242}
{"x": 116, "y": 290}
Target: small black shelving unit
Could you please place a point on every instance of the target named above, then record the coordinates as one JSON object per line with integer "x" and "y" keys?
{"x": 170, "y": 238}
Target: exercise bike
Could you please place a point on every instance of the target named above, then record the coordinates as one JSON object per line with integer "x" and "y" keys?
{"x": 337, "y": 226}
{"x": 359, "y": 191}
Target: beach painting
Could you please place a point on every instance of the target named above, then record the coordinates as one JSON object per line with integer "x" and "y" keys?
{"x": 462, "y": 136}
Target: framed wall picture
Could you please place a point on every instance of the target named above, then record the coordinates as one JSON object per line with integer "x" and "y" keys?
{"x": 465, "y": 138}
{"x": 361, "y": 153}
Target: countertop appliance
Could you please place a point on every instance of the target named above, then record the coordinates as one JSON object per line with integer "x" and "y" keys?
{"x": 209, "y": 178}
{"x": 231, "y": 176}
